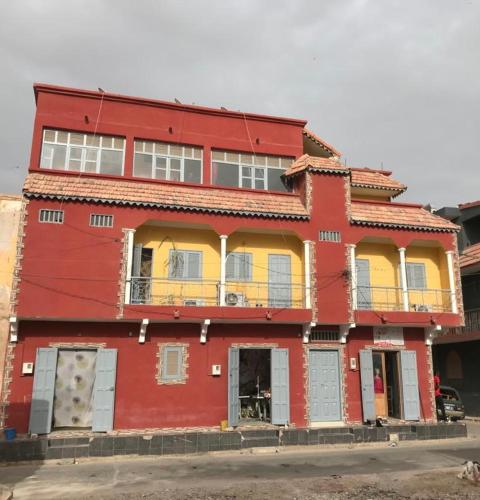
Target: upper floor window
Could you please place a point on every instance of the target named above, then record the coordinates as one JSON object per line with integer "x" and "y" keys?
{"x": 98, "y": 154}
{"x": 171, "y": 162}
{"x": 416, "y": 276}
{"x": 185, "y": 265}
{"x": 239, "y": 266}
{"x": 249, "y": 170}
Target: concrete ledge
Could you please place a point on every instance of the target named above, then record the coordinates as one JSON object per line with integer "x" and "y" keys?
{"x": 186, "y": 443}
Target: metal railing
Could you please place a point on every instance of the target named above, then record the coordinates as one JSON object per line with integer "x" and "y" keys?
{"x": 164, "y": 292}
{"x": 472, "y": 323}
{"x": 385, "y": 298}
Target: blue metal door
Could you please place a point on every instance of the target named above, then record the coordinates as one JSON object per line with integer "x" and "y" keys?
{"x": 368, "y": 394}
{"x": 41, "y": 410}
{"x": 279, "y": 281}
{"x": 104, "y": 390}
{"x": 411, "y": 402}
{"x": 280, "y": 387}
{"x": 324, "y": 386}
{"x": 233, "y": 386}
{"x": 364, "y": 292}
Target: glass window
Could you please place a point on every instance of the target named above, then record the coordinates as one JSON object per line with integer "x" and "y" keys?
{"x": 416, "y": 277}
{"x": 239, "y": 266}
{"x": 249, "y": 170}
{"x": 170, "y": 162}
{"x": 82, "y": 152}
{"x": 185, "y": 264}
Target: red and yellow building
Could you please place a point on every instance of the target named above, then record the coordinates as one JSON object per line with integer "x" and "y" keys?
{"x": 181, "y": 266}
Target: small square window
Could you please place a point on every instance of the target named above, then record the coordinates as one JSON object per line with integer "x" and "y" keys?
{"x": 172, "y": 363}
{"x": 51, "y": 216}
{"x": 101, "y": 220}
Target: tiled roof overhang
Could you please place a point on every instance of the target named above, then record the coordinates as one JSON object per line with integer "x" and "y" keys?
{"x": 323, "y": 144}
{"x": 470, "y": 256}
{"x": 374, "y": 179}
{"x": 398, "y": 216}
{"x": 163, "y": 195}
{"x": 316, "y": 164}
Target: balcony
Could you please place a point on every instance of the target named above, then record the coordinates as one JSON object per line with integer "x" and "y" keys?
{"x": 200, "y": 293}
{"x": 385, "y": 298}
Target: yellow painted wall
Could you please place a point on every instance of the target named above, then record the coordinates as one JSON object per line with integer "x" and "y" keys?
{"x": 163, "y": 239}
{"x": 384, "y": 261}
{"x": 10, "y": 208}
{"x": 436, "y": 273}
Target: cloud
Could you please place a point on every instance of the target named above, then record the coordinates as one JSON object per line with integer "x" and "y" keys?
{"x": 389, "y": 83}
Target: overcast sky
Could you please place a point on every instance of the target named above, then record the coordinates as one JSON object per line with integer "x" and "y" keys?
{"x": 386, "y": 82}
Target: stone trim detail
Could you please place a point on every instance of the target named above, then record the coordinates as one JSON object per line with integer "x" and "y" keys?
{"x": 18, "y": 257}
{"x": 458, "y": 281}
{"x": 433, "y": 404}
{"x": 251, "y": 345}
{"x": 340, "y": 348}
{"x": 122, "y": 274}
{"x": 349, "y": 282}
{"x": 7, "y": 379}
{"x": 308, "y": 192}
{"x": 313, "y": 281}
{"x": 78, "y": 345}
{"x": 185, "y": 355}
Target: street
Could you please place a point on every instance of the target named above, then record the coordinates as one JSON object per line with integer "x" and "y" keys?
{"x": 418, "y": 470}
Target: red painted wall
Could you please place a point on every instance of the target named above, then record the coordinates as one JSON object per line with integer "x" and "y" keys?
{"x": 139, "y": 401}
{"x": 362, "y": 338}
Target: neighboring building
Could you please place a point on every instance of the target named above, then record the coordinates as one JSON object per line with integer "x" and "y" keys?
{"x": 457, "y": 351}
{"x": 10, "y": 211}
{"x": 183, "y": 266}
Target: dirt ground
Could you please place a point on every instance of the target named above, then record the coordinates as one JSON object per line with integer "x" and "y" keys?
{"x": 440, "y": 484}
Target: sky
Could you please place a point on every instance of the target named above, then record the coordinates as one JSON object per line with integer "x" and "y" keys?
{"x": 392, "y": 84}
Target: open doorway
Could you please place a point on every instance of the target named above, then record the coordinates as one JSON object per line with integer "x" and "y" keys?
{"x": 386, "y": 384}
{"x": 255, "y": 385}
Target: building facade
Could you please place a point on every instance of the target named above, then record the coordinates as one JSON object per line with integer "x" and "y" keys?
{"x": 185, "y": 266}
{"x": 457, "y": 350}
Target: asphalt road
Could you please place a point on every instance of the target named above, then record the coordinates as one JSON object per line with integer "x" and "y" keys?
{"x": 181, "y": 477}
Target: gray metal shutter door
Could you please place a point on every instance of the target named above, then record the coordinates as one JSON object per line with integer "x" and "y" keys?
{"x": 104, "y": 390}
{"x": 279, "y": 281}
{"x": 364, "y": 293}
{"x": 280, "y": 387}
{"x": 324, "y": 387}
{"x": 43, "y": 392}
{"x": 411, "y": 403}
{"x": 233, "y": 386}
{"x": 368, "y": 394}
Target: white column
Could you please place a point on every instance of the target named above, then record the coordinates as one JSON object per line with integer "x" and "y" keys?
{"x": 223, "y": 267}
{"x": 308, "y": 282}
{"x": 353, "y": 274}
{"x": 403, "y": 279}
{"x": 129, "y": 234}
{"x": 451, "y": 280}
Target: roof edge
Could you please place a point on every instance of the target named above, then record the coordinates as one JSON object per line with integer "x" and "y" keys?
{"x": 411, "y": 227}
{"x": 111, "y": 96}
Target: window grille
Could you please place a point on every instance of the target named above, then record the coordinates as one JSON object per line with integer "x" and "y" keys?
{"x": 51, "y": 216}
{"x": 101, "y": 220}
{"x": 330, "y": 236}
{"x": 324, "y": 335}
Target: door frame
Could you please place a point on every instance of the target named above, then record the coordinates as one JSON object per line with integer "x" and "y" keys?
{"x": 341, "y": 375}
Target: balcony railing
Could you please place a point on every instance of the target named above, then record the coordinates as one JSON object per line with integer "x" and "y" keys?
{"x": 472, "y": 323}
{"x": 384, "y": 298}
{"x": 167, "y": 292}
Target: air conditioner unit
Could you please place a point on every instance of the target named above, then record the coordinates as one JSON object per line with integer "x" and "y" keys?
{"x": 422, "y": 307}
{"x": 235, "y": 299}
{"x": 193, "y": 302}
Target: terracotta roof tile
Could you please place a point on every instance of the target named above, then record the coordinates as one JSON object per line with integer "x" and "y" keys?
{"x": 164, "y": 195}
{"x": 329, "y": 165}
{"x": 398, "y": 215}
{"x": 313, "y": 137}
{"x": 470, "y": 256}
{"x": 471, "y": 204}
{"x": 376, "y": 179}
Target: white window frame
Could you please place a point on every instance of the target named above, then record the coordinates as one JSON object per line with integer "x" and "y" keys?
{"x": 253, "y": 166}
{"x": 140, "y": 148}
{"x": 239, "y": 255}
{"x": 84, "y": 147}
{"x": 101, "y": 217}
{"x": 412, "y": 265}
{"x": 51, "y": 215}
{"x": 185, "y": 276}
